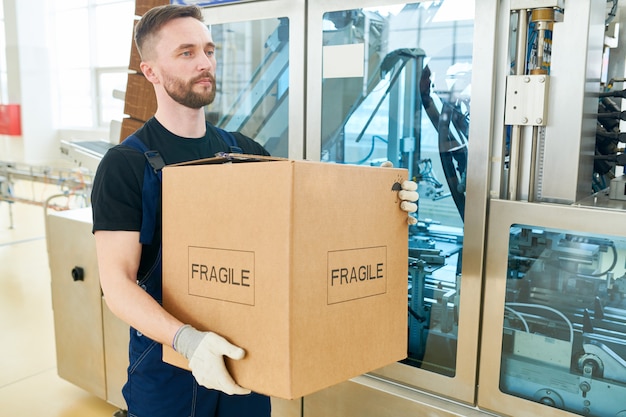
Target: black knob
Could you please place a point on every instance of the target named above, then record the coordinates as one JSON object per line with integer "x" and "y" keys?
{"x": 78, "y": 273}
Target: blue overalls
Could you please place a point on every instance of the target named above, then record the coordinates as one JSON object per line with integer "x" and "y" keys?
{"x": 155, "y": 388}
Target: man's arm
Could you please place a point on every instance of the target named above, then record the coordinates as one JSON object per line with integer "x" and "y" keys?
{"x": 118, "y": 254}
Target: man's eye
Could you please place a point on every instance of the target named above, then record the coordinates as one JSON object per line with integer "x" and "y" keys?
{"x": 210, "y": 53}
{"x": 186, "y": 53}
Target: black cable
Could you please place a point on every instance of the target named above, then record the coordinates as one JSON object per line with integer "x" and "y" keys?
{"x": 620, "y": 136}
{"x": 619, "y": 159}
{"x": 416, "y": 316}
{"x": 612, "y": 13}
{"x": 614, "y": 93}
{"x": 613, "y": 115}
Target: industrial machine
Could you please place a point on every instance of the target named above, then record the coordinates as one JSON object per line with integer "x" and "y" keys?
{"x": 507, "y": 113}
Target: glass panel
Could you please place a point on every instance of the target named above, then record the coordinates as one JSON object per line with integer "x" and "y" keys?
{"x": 203, "y": 3}
{"x": 253, "y": 81}
{"x": 3, "y": 45}
{"x": 100, "y": 2}
{"x": 75, "y": 104}
{"x": 113, "y": 46}
{"x": 110, "y": 107}
{"x": 396, "y": 86}
{"x": 69, "y": 4}
{"x": 4, "y": 85}
{"x": 72, "y": 39}
{"x": 564, "y": 335}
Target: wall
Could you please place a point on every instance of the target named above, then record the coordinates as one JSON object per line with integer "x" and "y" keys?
{"x": 29, "y": 76}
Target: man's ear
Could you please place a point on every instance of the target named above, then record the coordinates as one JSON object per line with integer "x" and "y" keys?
{"x": 148, "y": 72}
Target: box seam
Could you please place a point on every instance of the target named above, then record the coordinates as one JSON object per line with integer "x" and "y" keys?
{"x": 290, "y": 302}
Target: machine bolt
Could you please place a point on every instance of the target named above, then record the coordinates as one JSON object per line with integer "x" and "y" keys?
{"x": 526, "y": 79}
{"x": 585, "y": 386}
{"x": 524, "y": 120}
{"x": 542, "y": 79}
{"x": 539, "y": 120}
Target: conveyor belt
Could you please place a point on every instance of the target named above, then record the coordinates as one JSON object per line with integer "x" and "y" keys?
{"x": 86, "y": 153}
{"x": 95, "y": 148}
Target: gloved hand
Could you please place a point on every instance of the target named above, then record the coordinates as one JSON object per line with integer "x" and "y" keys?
{"x": 408, "y": 195}
{"x": 205, "y": 352}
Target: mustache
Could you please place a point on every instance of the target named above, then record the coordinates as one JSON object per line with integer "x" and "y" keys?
{"x": 203, "y": 76}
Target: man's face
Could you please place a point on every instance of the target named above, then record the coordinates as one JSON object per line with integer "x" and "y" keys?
{"x": 185, "y": 61}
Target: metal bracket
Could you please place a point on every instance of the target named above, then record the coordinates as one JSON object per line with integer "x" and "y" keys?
{"x": 526, "y": 100}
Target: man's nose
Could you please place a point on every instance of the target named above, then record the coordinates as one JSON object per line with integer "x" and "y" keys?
{"x": 205, "y": 62}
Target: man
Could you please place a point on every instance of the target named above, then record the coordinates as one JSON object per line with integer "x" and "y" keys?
{"x": 178, "y": 58}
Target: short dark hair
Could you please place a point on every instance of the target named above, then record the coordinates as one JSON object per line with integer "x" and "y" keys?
{"x": 154, "y": 19}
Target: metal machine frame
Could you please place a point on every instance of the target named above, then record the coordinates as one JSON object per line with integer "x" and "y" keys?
{"x": 556, "y": 386}
{"x": 294, "y": 10}
{"x": 462, "y": 386}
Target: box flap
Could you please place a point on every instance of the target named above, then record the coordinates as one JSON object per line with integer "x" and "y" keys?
{"x": 224, "y": 157}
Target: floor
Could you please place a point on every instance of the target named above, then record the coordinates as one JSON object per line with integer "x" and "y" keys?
{"x": 29, "y": 384}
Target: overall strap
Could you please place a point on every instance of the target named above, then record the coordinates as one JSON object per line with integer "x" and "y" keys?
{"x": 230, "y": 140}
{"x": 151, "y": 187}
{"x": 152, "y": 180}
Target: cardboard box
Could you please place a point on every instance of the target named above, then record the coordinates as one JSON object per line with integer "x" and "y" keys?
{"x": 140, "y": 101}
{"x": 134, "y": 63}
{"x": 302, "y": 264}
{"x": 129, "y": 126}
{"x": 142, "y": 6}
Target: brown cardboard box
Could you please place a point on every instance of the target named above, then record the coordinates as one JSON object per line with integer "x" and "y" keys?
{"x": 129, "y": 126}
{"x": 140, "y": 102}
{"x": 134, "y": 63}
{"x": 302, "y": 264}
{"x": 142, "y": 6}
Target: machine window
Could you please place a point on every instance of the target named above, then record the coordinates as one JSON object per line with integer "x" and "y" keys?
{"x": 253, "y": 81}
{"x": 396, "y": 87}
{"x": 564, "y": 333}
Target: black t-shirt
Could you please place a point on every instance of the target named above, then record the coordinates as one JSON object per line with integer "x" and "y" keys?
{"x": 116, "y": 193}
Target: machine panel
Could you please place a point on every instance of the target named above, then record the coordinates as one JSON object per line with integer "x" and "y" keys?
{"x": 391, "y": 81}
{"x": 260, "y": 72}
{"x": 76, "y": 300}
{"x": 366, "y": 396}
{"x": 554, "y": 314}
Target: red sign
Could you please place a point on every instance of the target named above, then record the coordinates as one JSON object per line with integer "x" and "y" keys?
{"x": 10, "y": 120}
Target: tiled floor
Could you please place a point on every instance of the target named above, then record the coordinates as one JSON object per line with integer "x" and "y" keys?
{"x": 29, "y": 384}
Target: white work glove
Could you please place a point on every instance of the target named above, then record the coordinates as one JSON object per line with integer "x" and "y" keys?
{"x": 407, "y": 194}
{"x": 205, "y": 352}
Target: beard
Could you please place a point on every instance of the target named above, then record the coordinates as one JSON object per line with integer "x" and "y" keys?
{"x": 183, "y": 92}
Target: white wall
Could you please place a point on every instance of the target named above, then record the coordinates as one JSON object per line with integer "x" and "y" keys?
{"x": 29, "y": 76}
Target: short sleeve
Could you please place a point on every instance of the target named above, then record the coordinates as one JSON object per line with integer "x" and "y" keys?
{"x": 116, "y": 192}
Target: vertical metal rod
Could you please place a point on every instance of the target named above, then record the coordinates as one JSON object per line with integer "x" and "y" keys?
{"x": 514, "y": 145}
{"x": 516, "y": 131}
{"x": 541, "y": 40}
{"x": 533, "y": 165}
{"x": 11, "y": 225}
{"x": 522, "y": 40}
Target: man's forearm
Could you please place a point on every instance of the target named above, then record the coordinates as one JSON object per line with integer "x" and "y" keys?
{"x": 118, "y": 260}
{"x": 136, "y": 307}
